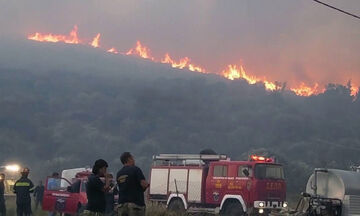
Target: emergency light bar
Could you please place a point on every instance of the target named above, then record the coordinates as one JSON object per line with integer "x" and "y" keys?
{"x": 168, "y": 157}
{"x": 261, "y": 158}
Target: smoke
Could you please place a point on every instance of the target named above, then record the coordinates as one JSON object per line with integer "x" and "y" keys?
{"x": 282, "y": 40}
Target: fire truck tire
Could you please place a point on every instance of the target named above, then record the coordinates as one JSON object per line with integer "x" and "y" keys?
{"x": 176, "y": 205}
{"x": 232, "y": 208}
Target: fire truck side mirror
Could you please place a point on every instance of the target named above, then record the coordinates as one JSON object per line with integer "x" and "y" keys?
{"x": 246, "y": 172}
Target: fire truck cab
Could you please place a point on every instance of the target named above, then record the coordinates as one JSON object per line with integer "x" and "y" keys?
{"x": 215, "y": 184}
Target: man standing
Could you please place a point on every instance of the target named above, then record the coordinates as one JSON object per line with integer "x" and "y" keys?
{"x": 22, "y": 188}
{"x": 39, "y": 194}
{"x": 96, "y": 189}
{"x": 2, "y": 197}
{"x": 132, "y": 185}
{"x": 54, "y": 182}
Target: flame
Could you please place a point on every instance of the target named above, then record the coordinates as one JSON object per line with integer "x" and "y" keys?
{"x": 270, "y": 85}
{"x": 181, "y": 64}
{"x": 144, "y": 52}
{"x": 234, "y": 72}
{"x": 231, "y": 72}
{"x": 72, "y": 38}
{"x": 196, "y": 68}
{"x": 95, "y": 41}
{"x": 305, "y": 90}
{"x": 354, "y": 91}
{"x": 141, "y": 51}
{"x": 112, "y": 50}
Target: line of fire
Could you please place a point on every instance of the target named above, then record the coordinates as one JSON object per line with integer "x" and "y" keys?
{"x": 231, "y": 72}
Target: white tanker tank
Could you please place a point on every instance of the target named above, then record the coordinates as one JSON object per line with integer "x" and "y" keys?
{"x": 337, "y": 184}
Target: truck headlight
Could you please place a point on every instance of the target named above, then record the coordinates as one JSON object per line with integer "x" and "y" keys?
{"x": 261, "y": 211}
{"x": 261, "y": 204}
{"x": 12, "y": 168}
{"x": 285, "y": 205}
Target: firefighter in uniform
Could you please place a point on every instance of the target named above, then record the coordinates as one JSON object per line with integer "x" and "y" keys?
{"x": 22, "y": 188}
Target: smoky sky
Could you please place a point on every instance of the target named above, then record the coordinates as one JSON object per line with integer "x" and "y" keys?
{"x": 283, "y": 40}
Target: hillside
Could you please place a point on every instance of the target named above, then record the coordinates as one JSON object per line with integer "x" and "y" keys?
{"x": 64, "y": 107}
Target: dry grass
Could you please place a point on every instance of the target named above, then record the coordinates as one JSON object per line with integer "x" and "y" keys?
{"x": 152, "y": 209}
{"x": 157, "y": 209}
{"x": 11, "y": 208}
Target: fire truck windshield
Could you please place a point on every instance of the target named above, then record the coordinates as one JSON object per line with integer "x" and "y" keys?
{"x": 269, "y": 171}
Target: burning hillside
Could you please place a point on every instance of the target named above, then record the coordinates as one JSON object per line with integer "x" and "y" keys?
{"x": 72, "y": 38}
{"x": 231, "y": 72}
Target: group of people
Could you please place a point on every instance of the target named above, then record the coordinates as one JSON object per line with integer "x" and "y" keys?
{"x": 130, "y": 186}
{"x": 22, "y": 188}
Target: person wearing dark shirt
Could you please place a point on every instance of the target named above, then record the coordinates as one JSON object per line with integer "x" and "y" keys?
{"x": 96, "y": 189}
{"x": 22, "y": 188}
{"x": 2, "y": 197}
{"x": 39, "y": 194}
{"x": 131, "y": 187}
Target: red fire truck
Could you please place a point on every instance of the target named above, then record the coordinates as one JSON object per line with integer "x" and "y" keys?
{"x": 215, "y": 184}
{"x": 66, "y": 197}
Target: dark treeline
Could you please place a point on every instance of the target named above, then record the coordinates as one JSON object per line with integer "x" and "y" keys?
{"x": 54, "y": 119}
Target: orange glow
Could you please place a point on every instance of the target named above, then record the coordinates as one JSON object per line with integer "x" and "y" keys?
{"x": 141, "y": 51}
{"x": 354, "y": 91}
{"x": 304, "y": 90}
{"x": 270, "y": 85}
{"x": 95, "y": 41}
{"x": 181, "y": 64}
{"x": 260, "y": 158}
{"x": 72, "y": 38}
{"x": 196, "y": 68}
{"x": 231, "y": 72}
{"x": 235, "y": 72}
{"x": 112, "y": 50}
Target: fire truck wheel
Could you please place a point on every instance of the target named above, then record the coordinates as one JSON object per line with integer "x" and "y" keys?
{"x": 176, "y": 205}
{"x": 232, "y": 208}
